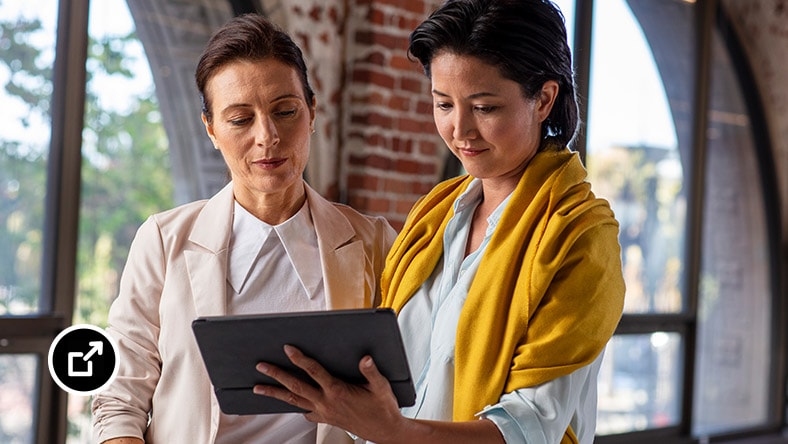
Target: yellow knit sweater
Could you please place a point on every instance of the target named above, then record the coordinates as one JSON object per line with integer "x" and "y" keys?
{"x": 549, "y": 290}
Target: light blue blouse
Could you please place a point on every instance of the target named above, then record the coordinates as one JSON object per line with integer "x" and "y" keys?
{"x": 429, "y": 323}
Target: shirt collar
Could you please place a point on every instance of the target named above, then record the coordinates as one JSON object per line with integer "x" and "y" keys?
{"x": 472, "y": 196}
{"x": 249, "y": 235}
{"x": 297, "y": 236}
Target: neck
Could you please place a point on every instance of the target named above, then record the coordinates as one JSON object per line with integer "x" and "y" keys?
{"x": 274, "y": 208}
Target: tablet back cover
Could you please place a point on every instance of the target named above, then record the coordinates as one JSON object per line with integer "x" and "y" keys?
{"x": 231, "y": 347}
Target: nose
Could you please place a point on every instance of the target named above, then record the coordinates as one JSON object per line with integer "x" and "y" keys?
{"x": 266, "y": 134}
{"x": 464, "y": 125}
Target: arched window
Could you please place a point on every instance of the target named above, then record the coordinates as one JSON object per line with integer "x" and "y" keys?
{"x": 676, "y": 145}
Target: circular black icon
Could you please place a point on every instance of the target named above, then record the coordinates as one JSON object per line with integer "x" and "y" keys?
{"x": 83, "y": 359}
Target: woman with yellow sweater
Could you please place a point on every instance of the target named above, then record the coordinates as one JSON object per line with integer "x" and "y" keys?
{"x": 507, "y": 281}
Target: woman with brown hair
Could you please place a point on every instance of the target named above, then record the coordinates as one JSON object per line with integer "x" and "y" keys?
{"x": 265, "y": 243}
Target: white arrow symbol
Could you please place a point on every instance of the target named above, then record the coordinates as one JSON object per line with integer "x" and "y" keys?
{"x": 98, "y": 347}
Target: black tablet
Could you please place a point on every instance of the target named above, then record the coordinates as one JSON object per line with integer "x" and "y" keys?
{"x": 231, "y": 347}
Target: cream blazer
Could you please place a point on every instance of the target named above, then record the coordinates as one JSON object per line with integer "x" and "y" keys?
{"x": 176, "y": 271}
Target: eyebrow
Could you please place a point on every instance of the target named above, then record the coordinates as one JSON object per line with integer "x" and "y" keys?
{"x": 246, "y": 105}
{"x": 472, "y": 96}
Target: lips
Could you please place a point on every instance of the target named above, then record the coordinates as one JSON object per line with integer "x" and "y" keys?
{"x": 470, "y": 152}
{"x": 270, "y": 164}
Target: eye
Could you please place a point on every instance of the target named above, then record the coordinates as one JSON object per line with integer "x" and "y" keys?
{"x": 285, "y": 112}
{"x": 485, "y": 109}
{"x": 443, "y": 106}
{"x": 240, "y": 121}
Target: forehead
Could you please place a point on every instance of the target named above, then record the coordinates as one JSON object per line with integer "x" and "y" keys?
{"x": 266, "y": 78}
{"x": 469, "y": 74}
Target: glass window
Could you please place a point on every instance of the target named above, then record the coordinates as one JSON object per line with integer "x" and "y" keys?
{"x": 733, "y": 385}
{"x": 17, "y": 397}
{"x": 125, "y": 170}
{"x": 638, "y": 133}
{"x": 640, "y": 383}
{"x": 27, "y": 53}
{"x": 633, "y": 158}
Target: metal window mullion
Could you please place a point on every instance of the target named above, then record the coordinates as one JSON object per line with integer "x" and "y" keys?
{"x": 705, "y": 16}
{"x": 58, "y": 271}
{"x": 584, "y": 17}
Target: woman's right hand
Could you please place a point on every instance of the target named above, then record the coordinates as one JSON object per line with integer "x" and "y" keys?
{"x": 367, "y": 410}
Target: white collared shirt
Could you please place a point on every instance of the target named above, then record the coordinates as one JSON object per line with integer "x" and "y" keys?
{"x": 272, "y": 269}
{"x": 429, "y": 325}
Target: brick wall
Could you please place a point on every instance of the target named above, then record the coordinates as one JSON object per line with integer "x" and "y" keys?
{"x": 376, "y": 146}
{"x": 392, "y": 153}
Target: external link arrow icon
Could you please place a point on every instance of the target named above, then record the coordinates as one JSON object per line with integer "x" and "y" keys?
{"x": 98, "y": 347}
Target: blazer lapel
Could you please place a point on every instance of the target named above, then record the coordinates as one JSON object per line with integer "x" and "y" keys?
{"x": 341, "y": 253}
{"x": 207, "y": 261}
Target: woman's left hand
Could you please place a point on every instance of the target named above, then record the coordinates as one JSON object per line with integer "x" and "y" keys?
{"x": 367, "y": 410}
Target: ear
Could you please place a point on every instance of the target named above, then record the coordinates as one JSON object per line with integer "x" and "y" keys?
{"x": 209, "y": 130}
{"x": 312, "y": 113}
{"x": 546, "y": 99}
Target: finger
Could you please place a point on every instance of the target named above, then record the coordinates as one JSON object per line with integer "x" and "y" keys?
{"x": 312, "y": 368}
{"x": 282, "y": 394}
{"x": 292, "y": 383}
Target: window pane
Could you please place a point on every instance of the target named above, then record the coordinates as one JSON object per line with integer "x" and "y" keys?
{"x": 640, "y": 383}
{"x": 27, "y": 53}
{"x": 733, "y": 384}
{"x": 633, "y": 157}
{"x": 125, "y": 169}
{"x": 17, "y": 397}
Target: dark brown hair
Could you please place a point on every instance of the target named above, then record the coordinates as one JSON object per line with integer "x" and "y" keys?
{"x": 525, "y": 39}
{"x": 249, "y": 37}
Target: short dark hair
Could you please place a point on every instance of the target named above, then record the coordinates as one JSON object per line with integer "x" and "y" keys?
{"x": 248, "y": 37}
{"x": 525, "y": 39}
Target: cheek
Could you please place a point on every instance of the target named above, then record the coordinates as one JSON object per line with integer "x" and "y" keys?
{"x": 232, "y": 146}
{"x": 443, "y": 125}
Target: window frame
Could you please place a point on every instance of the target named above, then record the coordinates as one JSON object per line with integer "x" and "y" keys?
{"x": 709, "y": 18}
{"x": 33, "y": 334}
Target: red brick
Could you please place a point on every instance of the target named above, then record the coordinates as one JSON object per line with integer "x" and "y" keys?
{"x": 378, "y": 205}
{"x": 422, "y": 188}
{"x": 384, "y": 39}
{"x": 400, "y": 186}
{"x": 372, "y": 118}
{"x": 413, "y": 125}
{"x": 374, "y": 140}
{"x": 403, "y": 206}
{"x": 373, "y": 77}
{"x": 376, "y": 16}
{"x": 417, "y": 86}
{"x": 402, "y": 62}
{"x": 371, "y": 161}
{"x": 424, "y": 107}
{"x": 400, "y": 145}
{"x": 399, "y": 103}
{"x": 376, "y": 58}
{"x": 362, "y": 181}
{"x": 429, "y": 148}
